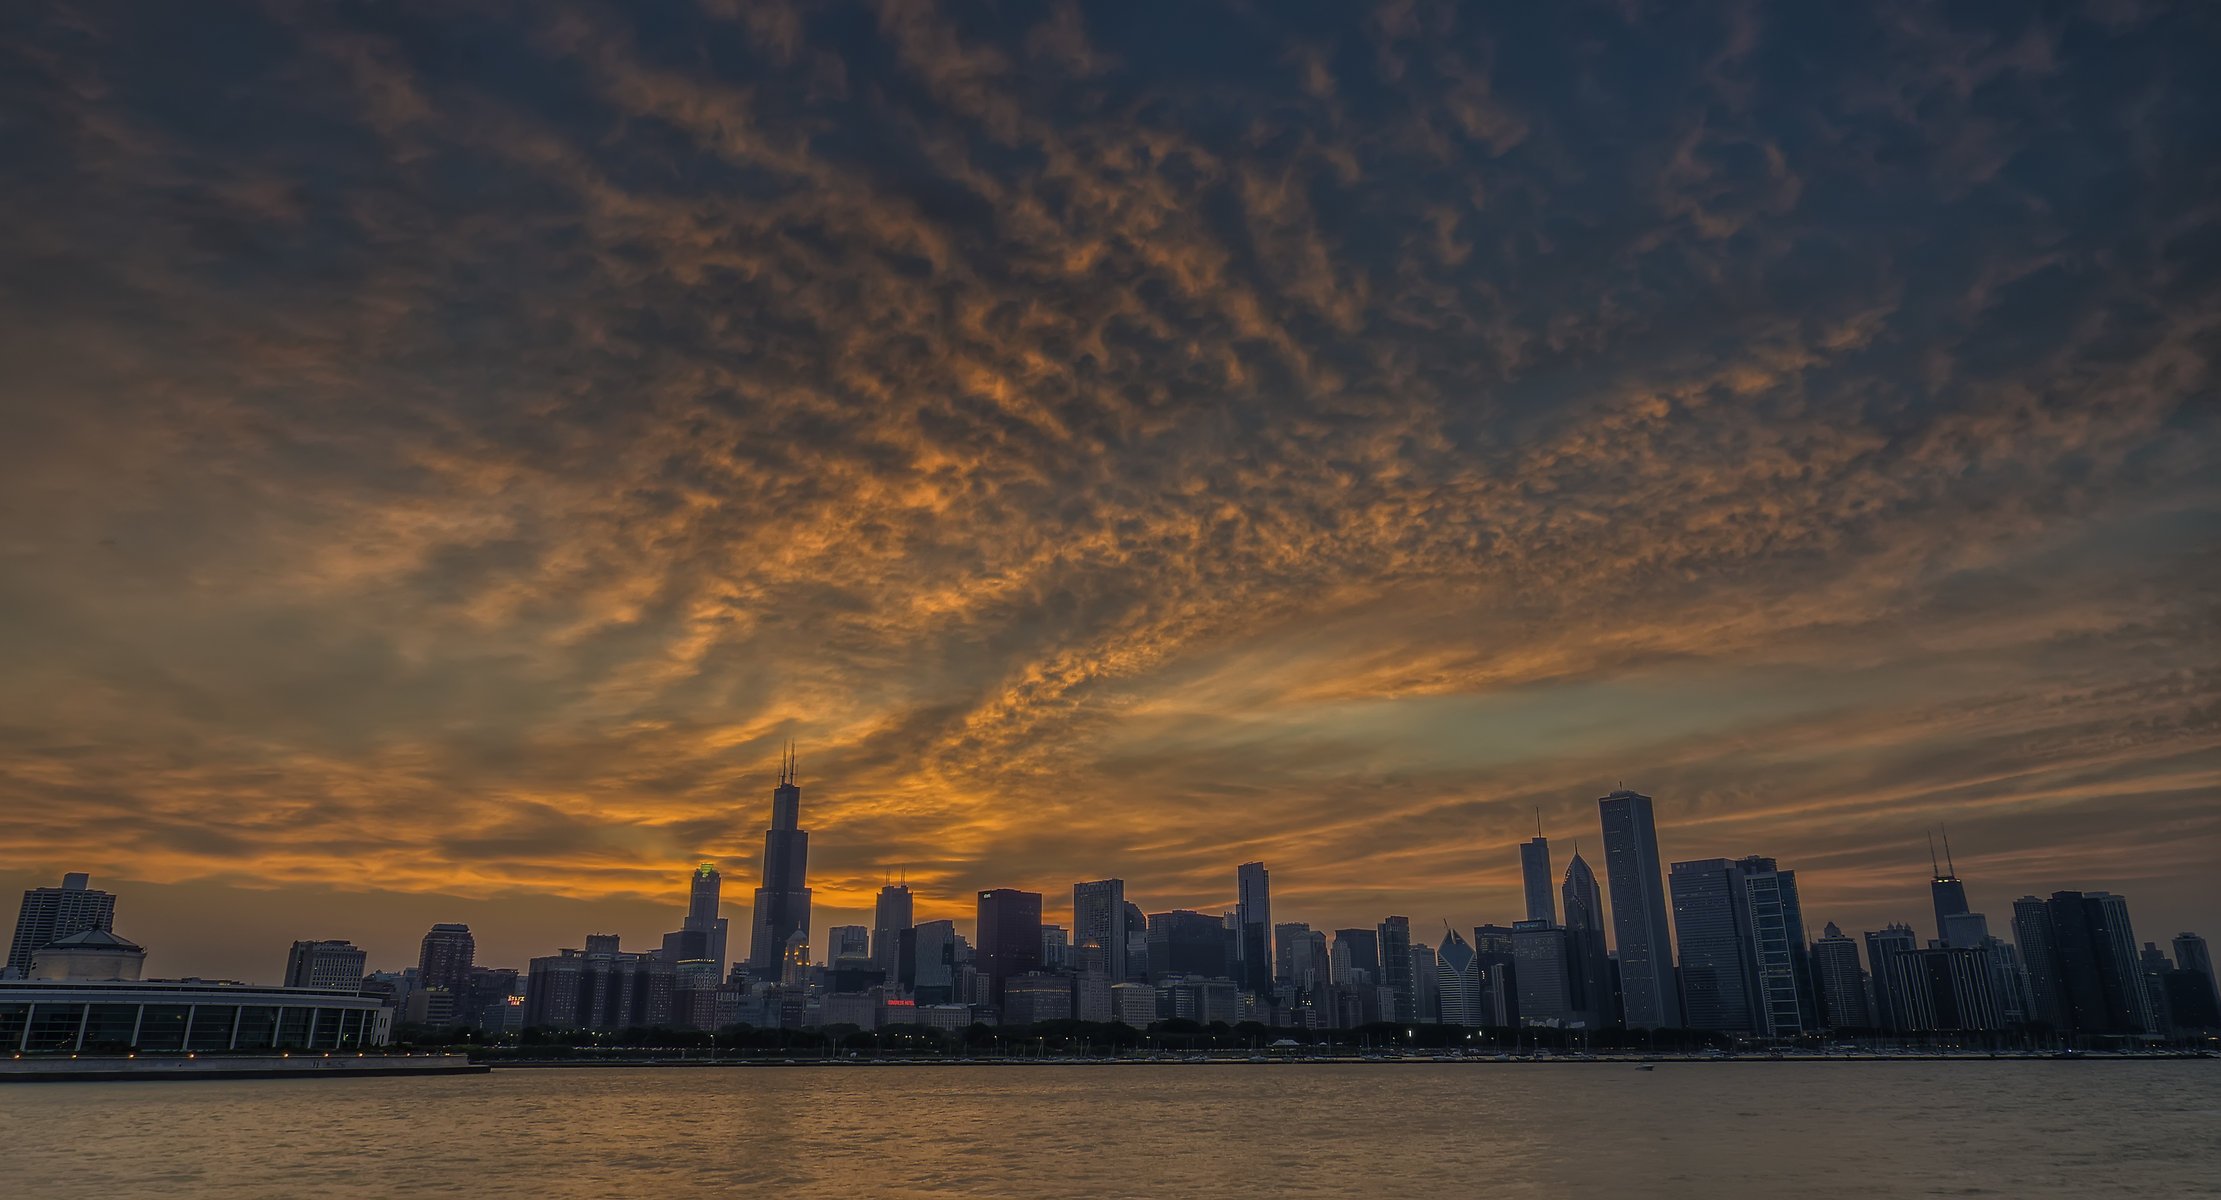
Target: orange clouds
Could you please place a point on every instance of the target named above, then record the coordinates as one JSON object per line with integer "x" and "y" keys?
{"x": 1106, "y": 450}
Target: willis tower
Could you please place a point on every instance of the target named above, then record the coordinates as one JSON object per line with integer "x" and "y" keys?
{"x": 783, "y": 902}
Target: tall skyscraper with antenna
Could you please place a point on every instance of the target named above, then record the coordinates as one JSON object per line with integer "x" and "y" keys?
{"x": 1950, "y": 895}
{"x": 783, "y": 902}
{"x": 1534, "y": 872}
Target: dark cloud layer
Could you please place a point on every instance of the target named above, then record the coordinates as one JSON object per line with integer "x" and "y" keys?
{"x": 460, "y": 444}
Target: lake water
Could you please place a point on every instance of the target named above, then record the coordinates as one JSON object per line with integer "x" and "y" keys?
{"x": 1595, "y": 1131}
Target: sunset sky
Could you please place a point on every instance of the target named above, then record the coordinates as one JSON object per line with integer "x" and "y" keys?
{"x": 446, "y": 450}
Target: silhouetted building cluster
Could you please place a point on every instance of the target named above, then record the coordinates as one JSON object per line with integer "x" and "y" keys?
{"x": 1713, "y": 944}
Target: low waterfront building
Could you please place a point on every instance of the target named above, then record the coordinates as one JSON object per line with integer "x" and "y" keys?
{"x": 158, "y": 1015}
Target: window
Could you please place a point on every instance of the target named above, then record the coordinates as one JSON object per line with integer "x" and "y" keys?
{"x": 163, "y": 1027}
{"x": 293, "y": 1027}
{"x": 108, "y": 1027}
{"x": 13, "y": 1017}
{"x": 54, "y": 1026}
{"x": 257, "y": 1026}
{"x": 212, "y": 1026}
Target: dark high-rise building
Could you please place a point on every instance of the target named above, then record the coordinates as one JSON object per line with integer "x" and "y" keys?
{"x": 1460, "y": 981}
{"x": 1893, "y": 1008}
{"x": 1395, "y": 967}
{"x": 1742, "y": 947}
{"x": 1137, "y": 941}
{"x": 934, "y": 960}
{"x": 891, "y": 916}
{"x": 1357, "y": 950}
{"x": 1837, "y": 978}
{"x": 445, "y": 959}
{"x": 1944, "y": 888}
{"x": 1534, "y": 873}
{"x": 1253, "y": 916}
{"x": 1186, "y": 942}
{"x": 1540, "y": 973}
{"x": 1941, "y": 989}
{"x": 1009, "y": 938}
{"x": 2192, "y": 957}
{"x": 783, "y": 902}
{"x": 702, "y": 899}
{"x": 1301, "y": 952}
{"x": 1786, "y": 1006}
{"x": 1716, "y": 984}
{"x": 1099, "y": 917}
{"x": 2032, "y": 930}
{"x": 1495, "y": 964}
{"x": 701, "y": 936}
{"x": 325, "y": 964}
{"x": 1426, "y": 985}
{"x": 2093, "y": 961}
{"x": 1632, "y": 867}
{"x": 600, "y": 987}
{"x": 1588, "y": 964}
{"x": 50, "y": 914}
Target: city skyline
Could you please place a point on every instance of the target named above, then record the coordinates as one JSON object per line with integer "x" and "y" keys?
{"x": 785, "y": 815}
{"x": 448, "y": 460}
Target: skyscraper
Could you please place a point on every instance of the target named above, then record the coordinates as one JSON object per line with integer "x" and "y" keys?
{"x": 1495, "y": 962}
{"x": 1836, "y": 975}
{"x": 2032, "y": 930}
{"x": 1886, "y": 950}
{"x": 1588, "y": 964}
{"x": 1395, "y": 967}
{"x": 1944, "y": 888}
{"x": 847, "y": 944}
{"x": 701, "y": 936}
{"x": 1302, "y": 954}
{"x": 1186, "y": 942}
{"x": 891, "y": 917}
{"x": 934, "y": 961}
{"x": 1253, "y": 911}
{"x": 1099, "y": 916}
{"x": 1426, "y": 985}
{"x": 2191, "y": 956}
{"x": 325, "y": 964}
{"x": 702, "y": 900}
{"x": 1540, "y": 975}
{"x": 1716, "y": 982}
{"x": 1783, "y": 975}
{"x": 1460, "y": 981}
{"x": 1742, "y": 947}
{"x": 783, "y": 902}
{"x": 50, "y": 914}
{"x": 1357, "y": 951}
{"x": 1009, "y": 938}
{"x": 1534, "y": 872}
{"x": 445, "y": 958}
{"x": 1631, "y": 864}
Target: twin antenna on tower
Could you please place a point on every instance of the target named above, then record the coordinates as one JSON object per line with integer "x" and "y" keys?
{"x": 786, "y": 764}
{"x": 1948, "y": 865}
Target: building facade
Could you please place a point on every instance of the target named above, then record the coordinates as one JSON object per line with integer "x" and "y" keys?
{"x": 1253, "y": 926}
{"x": 332, "y": 965}
{"x": 1633, "y": 869}
{"x": 52, "y": 913}
{"x": 1009, "y": 930}
{"x": 783, "y": 902}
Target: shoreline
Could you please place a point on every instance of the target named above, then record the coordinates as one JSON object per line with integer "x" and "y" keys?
{"x": 133, "y": 1068}
{"x": 1640, "y": 1063}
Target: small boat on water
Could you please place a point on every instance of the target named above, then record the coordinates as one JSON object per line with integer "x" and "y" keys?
{"x": 1646, "y": 1066}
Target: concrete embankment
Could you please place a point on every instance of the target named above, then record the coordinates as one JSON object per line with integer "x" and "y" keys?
{"x": 35, "y": 1068}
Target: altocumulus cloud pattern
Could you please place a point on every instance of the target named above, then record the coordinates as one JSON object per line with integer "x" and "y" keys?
{"x": 1124, "y": 438}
